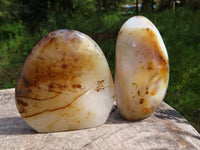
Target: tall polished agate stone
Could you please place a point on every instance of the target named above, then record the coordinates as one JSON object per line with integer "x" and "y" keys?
{"x": 142, "y": 68}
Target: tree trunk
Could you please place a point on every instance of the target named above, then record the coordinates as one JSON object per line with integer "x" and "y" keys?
{"x": 173, "y": 4}
{"x": 136, "y": 6}
{"x": 147, "y": 5}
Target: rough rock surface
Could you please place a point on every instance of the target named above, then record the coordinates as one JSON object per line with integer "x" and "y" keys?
{"x": 165, "y": 129}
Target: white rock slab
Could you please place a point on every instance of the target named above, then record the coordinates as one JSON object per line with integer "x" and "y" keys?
{"x": 165, "y": 129}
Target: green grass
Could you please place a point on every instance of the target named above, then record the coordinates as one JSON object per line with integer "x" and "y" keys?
{"x": 179, "y": 29}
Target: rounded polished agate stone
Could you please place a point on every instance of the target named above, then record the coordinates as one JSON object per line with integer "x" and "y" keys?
{"x": 65, "y": 84}
{"x": 142, "y": 68}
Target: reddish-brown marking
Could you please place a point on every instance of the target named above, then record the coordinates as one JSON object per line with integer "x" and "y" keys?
{"x": 150, "y": 66}
{"x": 155, "y": 51}
{"x": 133, "y": 97}
{"x": 153, "y": 76}
{"x": 147, "y": 90}
{"x": 141, "y": 100}
{"x": 41, "y": 58}
{"x": 21, "y": 109}
{"x": 138, "y": 92}
{"x": 100, "y": 86}
{"x": 50, "y": 90}
{"x": 52, "y": 40}
{"x": 47, "y": 69}
{"x": 36, "y": 71}
{"x": 72, "y": 40}
{"x": 51, "y": 86}
{"x": 76, "y": 86}
{"x": 59, "y": 87}
{"x": 76, "y": 59}
{"x": 29, "y": 90}
{"x": 20, "y": 102}
{"x": 64, "y": 66}
{"x": 27, "y": 83}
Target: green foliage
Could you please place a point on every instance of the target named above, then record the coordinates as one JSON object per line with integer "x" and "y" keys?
{"x": 16, "y": 44}
{"x": 84, "y": 7}
{"x": 108, "y": 5}
{"x": 92, "y": 24}
{"x": 112, "y": 22}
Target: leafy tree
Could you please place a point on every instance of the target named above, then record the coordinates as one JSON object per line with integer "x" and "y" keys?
{"x": 7, "y": 10}
{"x": 32, "y": 12}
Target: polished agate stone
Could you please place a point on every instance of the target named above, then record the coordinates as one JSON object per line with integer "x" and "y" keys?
{"x": 142, "y": 68}
{"x": 65, "y": 84}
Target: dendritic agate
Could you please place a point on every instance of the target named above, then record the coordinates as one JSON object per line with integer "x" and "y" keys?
{"x": 65, "y": 84}
{"x": 142, "y": 68}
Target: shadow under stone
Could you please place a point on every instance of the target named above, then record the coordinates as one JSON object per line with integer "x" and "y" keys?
{"x": 115, "y": 117}
{"x": 170, "y": 114}
{"x": 14, "y": 126}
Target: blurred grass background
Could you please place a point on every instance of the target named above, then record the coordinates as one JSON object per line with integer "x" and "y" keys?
{"x": 24, "y": 23}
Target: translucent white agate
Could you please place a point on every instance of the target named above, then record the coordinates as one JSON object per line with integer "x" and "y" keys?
{"x": 65, "y": 84}
{"x": 142, "y": 68}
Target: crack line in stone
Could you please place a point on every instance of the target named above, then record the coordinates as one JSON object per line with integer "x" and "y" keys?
{"x": 28, "y": 116}
{"x": 37, "y": 99}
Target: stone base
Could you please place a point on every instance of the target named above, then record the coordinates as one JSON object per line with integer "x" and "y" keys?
{"x": 165, "y": 129}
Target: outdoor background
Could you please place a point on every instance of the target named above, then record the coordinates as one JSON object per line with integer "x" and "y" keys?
{"x": 24, "y": 22}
